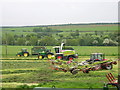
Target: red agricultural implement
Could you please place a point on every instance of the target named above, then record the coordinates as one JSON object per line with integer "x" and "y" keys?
{"x": 96, "y": 62}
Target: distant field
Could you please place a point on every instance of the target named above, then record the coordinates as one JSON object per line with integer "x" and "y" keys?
{"x": 98, "y": 27}
{"x": 87, "y": 27}
{"x": 81, "y": 50}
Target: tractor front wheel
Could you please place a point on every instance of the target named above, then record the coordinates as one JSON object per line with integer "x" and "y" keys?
{"x": 59, "y": 57}
{"x": 40, "y": 57}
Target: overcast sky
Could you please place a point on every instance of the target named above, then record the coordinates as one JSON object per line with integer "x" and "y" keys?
{"x": 42, "y": 12}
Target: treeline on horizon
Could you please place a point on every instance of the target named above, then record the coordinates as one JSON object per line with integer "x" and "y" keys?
{"x": 46, "y": 37}
{"x": 58, "y": 25}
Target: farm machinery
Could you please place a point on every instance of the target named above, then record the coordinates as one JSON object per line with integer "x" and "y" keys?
{"x": 44, "y": 52}
{"x": 41, "y": 52}
{"x": 63, "y": 52}
{"x": 23, "y": 52}
{"x": 96, "y": 62}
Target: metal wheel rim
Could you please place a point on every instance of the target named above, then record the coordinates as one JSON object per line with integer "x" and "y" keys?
{"x": 40, "y": 57}
{"x": 18, "y": 55}
{"x": 25, "y": 54}
{"x": 49, "y": 56}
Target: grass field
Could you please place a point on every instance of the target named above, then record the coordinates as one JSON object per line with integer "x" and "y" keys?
{"x": 81, "y": 50}
{"x": 94, "y": 27}
{"x": 38, "y": 72}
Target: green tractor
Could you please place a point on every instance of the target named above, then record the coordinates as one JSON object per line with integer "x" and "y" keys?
{"x": 23, "y": 52}
{"x": 44, "y": 52}
{"x": 63, "y": 52}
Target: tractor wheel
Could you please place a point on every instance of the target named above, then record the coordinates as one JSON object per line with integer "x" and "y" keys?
{"x": 49, "y": 56}
{"x": 25, "y": 54}
{"x": 108, "y": 67}
{"x": 70, "y": 58}
{"x": 59, "y": 57}
{"x": 40, "y": 57}
{"x": 19, "y": 55}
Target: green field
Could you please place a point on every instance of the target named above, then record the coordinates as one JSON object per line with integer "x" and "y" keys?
{"x": 89, "y": 27}
{"x": 81, "y": 50}
{"x": 37, "y": 72}
{"x": 17, "y": 71}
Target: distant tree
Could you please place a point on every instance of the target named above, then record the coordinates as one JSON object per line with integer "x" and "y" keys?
{"x": 106, "y": 41}
{"x": 37, "y": 29}
{"x": 72, "y": 42}
{"x": 49, "y": 41}
{"x": 33, "y": 40}
{"x": 95, "y": 42}
{"x": 20, "y": 41}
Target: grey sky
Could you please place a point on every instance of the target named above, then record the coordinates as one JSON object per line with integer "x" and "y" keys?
{"x": 41, "y": 12}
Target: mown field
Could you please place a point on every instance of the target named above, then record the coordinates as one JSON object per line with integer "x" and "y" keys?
{"x": 37, "y": 73}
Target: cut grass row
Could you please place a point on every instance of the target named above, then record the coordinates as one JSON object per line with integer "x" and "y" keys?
{"x": 46, "y": 77}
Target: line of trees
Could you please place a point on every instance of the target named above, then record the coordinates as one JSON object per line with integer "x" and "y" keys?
{"x": 40, "y": 38}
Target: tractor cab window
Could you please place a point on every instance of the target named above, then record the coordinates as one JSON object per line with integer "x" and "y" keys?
{"x": 97, "y": 56}
{"x": 57, "y": 50}
{"x": 100, "y": 56}
{"x": 24, "y": 50}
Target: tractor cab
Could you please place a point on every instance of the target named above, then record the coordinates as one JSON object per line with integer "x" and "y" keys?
{"x": 57, "y": 49}
{"x": 24, "y": 50}
{"x": 97, "y": 57}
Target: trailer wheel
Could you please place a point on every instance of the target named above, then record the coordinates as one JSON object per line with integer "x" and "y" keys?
{"x": 49, "y": 56}
{"x": 40, "y": 57}
{"x": 109, "y": 67}
{"x": 25, "y": 54}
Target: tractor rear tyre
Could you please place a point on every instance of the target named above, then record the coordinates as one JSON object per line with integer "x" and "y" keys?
{"x": 109, "y": 67}
{"x": 25, "y": 54}
{"x": 40, "y": 57}
{"x": 49, "y": 56}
